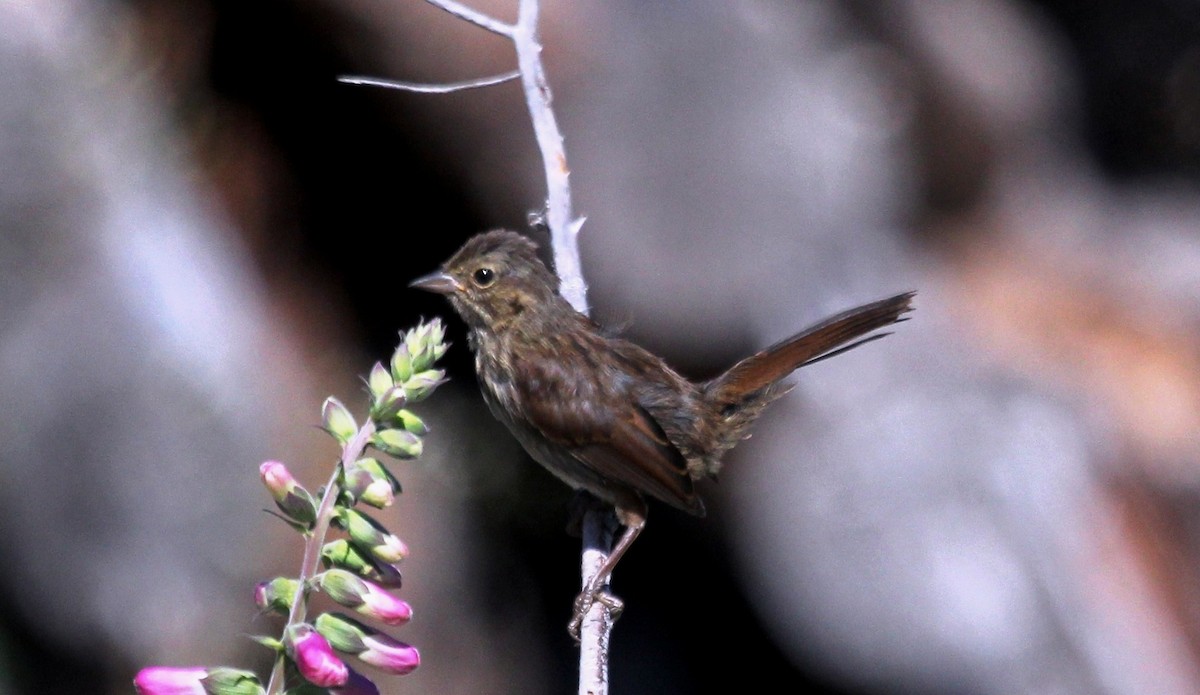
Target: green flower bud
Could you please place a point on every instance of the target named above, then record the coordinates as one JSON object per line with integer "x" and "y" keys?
{"x": 388, "y": 404}
{"x": 231, "y": 681}
{"x": 437, "y": 338}
{"x": 343, "y": 587}
{"x": 380, "y": 381}
{"x": 368, "y": 481}
{"x": 412, "y": 423}
{"x": 371, "y": 536}
{"x": 401, "y": 364}
{"x": 378, "y": 470}
{"x": 426, "y": 344}
{"x": 414, "y": 340}
{"x": 276, "y": 595}
{"x": 419, "y": 386}
{"x": 340, "y": 553}
{"x": 378, "y": 495}
{"x": 399, "y": 443}
{"x": 338, "y": 420}
{"x": 344, "y": 634}
{"x": 344, "y": 554}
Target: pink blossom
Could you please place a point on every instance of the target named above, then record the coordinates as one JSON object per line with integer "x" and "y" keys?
{"x": 364, "y": 596}
{"x": 390, "y": 655}
{"x": 276, "y": 477}
{"x": 315, "y": 658}
{"x": 382, "y": 605}
{"x": 168, "y": 680}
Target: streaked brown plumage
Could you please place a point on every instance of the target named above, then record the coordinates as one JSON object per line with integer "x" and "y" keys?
{"x": 601, "y": 413}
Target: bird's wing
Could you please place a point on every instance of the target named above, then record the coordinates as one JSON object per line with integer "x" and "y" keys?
{"x": 619, "y": 440}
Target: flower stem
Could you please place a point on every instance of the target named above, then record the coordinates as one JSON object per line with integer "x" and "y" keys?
{"x": 315, "y": 540}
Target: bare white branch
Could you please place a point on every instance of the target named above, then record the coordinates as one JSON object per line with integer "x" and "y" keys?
{"x": 475, "y": 17}
{"x": 443, "y": 88}
{"x": 564, "y": 229}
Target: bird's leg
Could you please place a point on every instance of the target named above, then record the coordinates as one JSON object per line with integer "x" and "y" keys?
{"x": 632, "y": 515}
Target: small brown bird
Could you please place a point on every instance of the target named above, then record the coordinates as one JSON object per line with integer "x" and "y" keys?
{"x": 601, "y": 413}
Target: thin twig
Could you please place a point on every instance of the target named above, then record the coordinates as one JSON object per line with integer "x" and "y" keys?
{"x": 564, "y": 229}
{"x": 475, "y": 17}
{"x": 443, "y": 88}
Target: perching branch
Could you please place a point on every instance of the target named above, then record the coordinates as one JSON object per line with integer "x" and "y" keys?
{"x": 597, "y": 625}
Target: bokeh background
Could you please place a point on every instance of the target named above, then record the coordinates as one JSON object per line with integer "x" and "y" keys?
{"x": 203, "y": 234}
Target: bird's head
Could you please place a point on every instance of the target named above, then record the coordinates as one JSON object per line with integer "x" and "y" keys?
{"x": 493, "y": 280}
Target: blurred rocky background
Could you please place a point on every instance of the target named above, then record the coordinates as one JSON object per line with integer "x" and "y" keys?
{"x": 202, "y": 234}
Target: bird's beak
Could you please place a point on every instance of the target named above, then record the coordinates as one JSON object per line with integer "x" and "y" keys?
{"x": 438, "y": 282}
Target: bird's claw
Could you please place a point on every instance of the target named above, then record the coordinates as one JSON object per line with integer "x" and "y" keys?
{"x": 583, "y": 604}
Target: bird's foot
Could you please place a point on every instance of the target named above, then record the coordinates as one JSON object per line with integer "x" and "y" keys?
{"x": 584, "y": 603}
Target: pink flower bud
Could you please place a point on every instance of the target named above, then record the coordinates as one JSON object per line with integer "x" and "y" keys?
{"x": 390, "y": 655}
{"x": 366, "y": 597}
{"x": 383, "y": 606}
{"x": 390, "y": 549}
{"x": 291, "y": 497}
{"x": 167, "y": 680}
{"x": 314, "y": 658}
{"x": 277, "y": 478}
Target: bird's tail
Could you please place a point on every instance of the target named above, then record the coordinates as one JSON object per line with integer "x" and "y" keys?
{"x": 744, "y": 389}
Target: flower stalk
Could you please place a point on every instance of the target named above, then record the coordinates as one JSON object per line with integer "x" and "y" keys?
{"x": 358, "y": 571}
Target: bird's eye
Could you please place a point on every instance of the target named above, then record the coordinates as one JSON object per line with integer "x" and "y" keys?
{"x": 484, "y": 277}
